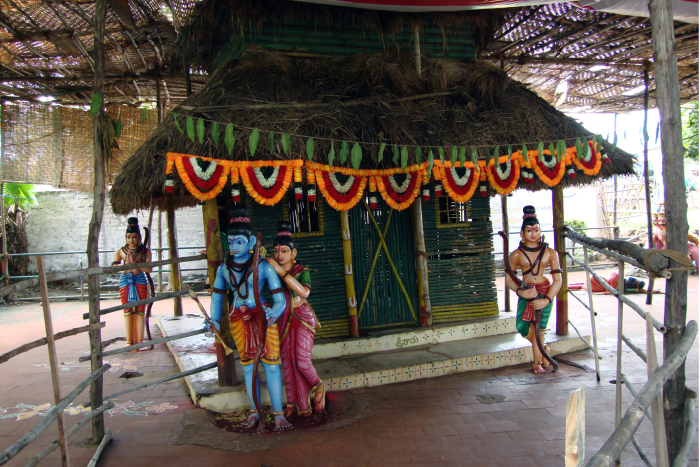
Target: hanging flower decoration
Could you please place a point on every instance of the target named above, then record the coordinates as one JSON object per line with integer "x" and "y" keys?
{"x": 204, "y": 182}
{"x": 340, "y": 196}
{"x": 589, "y": 162}
{"x": 401, "y": 196}
{"x": 504, "y": 176}
{"x": 549, "y": 170}
{"x": 459, "y": 188}
{"x": 267, "y": 191}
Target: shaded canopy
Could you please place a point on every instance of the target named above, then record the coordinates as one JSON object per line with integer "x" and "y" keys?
{"x": 365, "y": 99}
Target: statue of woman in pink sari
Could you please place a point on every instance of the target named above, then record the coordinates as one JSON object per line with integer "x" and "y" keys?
{"x": 297, "y": 326}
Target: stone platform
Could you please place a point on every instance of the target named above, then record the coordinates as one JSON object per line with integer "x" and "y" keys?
{"x": 385, "y": 358}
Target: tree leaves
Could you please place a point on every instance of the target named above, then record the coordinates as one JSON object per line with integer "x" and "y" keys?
{"x": 177, "y": 124}
{"x": 310, "y": 148}
{"x": 96, "y": 103}
{"x": 200, "y": 130}
{"x": 344, "y": 150}
{"x": 215, "y": 133}
{"x": 229, "y": 139}
{"x": 253, "y": 141}
{"x": 331, "y": 154}
{"x": 404, "y": 157}
{"x": 189, "y": 124}
{"x": 356, "y": 156}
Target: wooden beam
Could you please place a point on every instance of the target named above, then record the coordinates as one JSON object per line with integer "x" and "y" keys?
{"x": 175, "y": 268}
{"x": 560, "y": 246}
{"x": 348, "y": 273}
{"x": 39, "y": 342}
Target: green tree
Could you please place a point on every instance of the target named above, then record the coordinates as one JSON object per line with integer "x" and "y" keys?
{"x": 18, "y": 198}
{"x": 690, "y": 130}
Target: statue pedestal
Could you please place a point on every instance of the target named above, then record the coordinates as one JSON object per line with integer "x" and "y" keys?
{"x": 386, "y": 358}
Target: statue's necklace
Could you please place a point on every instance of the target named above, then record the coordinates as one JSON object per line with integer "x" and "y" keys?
{"x": 244, "y": 268}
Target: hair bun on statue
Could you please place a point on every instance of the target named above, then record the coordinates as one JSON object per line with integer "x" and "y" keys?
{"x": 239, "y": 222}
{"x": 284, "y": 234}
{"x": 529, "y": 217}
{"x": 132, "y": 225}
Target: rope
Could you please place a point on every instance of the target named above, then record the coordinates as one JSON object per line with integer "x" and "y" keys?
{"x": 680, "y": 258}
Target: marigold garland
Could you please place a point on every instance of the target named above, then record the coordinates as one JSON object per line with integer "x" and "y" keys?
{"x": 549, "y": 177}
{"x": 504, "y": 187}
{"x": 458, "y": 194}
{"x": 336, "y": 200}
{"x": 267, "y": 197}
{"x": 398, "y": 201}
{"x": 589, "y": 168}
{"x": 185, "y": 177}
{"x": 203, "y": 185}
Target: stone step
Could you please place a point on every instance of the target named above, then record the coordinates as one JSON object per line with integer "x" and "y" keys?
{"x": 438, "y": 356}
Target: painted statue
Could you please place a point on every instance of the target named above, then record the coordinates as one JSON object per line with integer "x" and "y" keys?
{"x": 253, "y": 322}
{"x": 535, "y": 293}
{"x": 133, "y": 284}
{"x": 659, "y": 222}
{"x": 298, "y": 324}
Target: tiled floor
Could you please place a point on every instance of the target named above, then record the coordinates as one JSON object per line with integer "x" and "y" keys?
{"x": 437, "y": 421}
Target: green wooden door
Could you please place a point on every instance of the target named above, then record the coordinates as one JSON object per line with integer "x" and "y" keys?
{"x": 386, "y": 304}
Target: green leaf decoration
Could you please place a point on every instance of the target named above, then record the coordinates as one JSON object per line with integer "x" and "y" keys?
{"x": 344, "y": 150}
{"x": 579, "y": 147}
{"x": 488, "y": 157}
{"x": 96, "y": 103}
{"x": 524, "y": 153}
{"x": 404, "y": 157}
{"x": 144, "y": 113}
{"x": 229, "y": 139}
{"x": 397, "y": 155}
{"x": 540, "y": 150}
{"x": 441, "y": 152}
{"x": 431, "y": 161}
{"x": 380, "y": 156}
{"x": 614, "y": 144}
{"x": 588, "y": 149}
{"x": 189, "y": 124}
{"x": 496, "y": 155}
{"x": 562, "y": 150}
{"x": 462, "y": 156}
{"x": 215, "y": 133}
{"x": 118, "y": 125}
{"x": 419, "y": 154}
{"x": 253, "y": 141}
{"x": 310, "y": 148}
{"x": 475, "y": 158}
{"x": 286, "y": 142}
{"x": 177, "y": 124}
{"x": 356, "y": 156}
{"x": 272, "y": 142}
{"x": 453, "y": 155}
{"x": 200, "y": 130}
{"x": 510, "y": 152}
{"x": 658, "y": 127}
{"x": 551, "y": 150}
{"x": 331, "y": 154}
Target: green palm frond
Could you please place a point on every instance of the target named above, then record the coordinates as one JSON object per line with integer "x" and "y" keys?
{"x": 21, "y": 195}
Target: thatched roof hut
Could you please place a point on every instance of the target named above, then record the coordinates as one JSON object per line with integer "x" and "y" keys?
{"x": 368, "y": 99}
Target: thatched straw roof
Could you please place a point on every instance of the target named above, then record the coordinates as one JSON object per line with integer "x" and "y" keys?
{"x": 365, "y": 99}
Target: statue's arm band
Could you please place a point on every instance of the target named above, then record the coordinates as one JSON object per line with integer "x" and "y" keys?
{"x": 278, "y": 290}
{"x": 219, "y": 291}
{"x": 556, "y": 271}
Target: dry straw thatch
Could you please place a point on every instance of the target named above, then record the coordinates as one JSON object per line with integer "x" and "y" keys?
{"x": 365, "y": 99}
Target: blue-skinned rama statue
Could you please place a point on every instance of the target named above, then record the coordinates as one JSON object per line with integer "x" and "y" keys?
{"x": 236, "y": 274}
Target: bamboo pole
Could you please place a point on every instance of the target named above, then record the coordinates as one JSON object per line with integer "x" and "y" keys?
{"x": 39, "y": 342}
{"x": 560, "y": 245}
{"x": 59, "y": 276}
{"x": 634, "y": 393}
{"x": 594, "y": 333}
{"x": 105, "y": 440}
{"x": 574, "y": 451}
{"x": 174, "y": 269}
{"x": 145, "y": 301}
{"x": 200, "y": 369}
{"x": 160, "y": 251}
{"x": 506, "y": 229}
{"x": 5, "y": 256}
{"x": 647, "y": 189}
{"x": 640, "y": 353}
{"x": 659, "y": 327}
{"x": 681, "y": 459}
{"x": 98, "y": 427}
{"x": 370, "y": 276}
{"x": 657, "y": 410}
{"x": 349, "y": 279}
{"x": 53, "y": 360}
{"x": 160, "y": 340}
{"x": 73, "y": 430}
{"x": 45, "y": 422}
{"x": 605, "y": 457}
{"x": 391, "y": 262}
{"x": 620, "y": 315}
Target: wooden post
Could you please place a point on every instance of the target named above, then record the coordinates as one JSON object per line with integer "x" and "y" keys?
{"x": 574, "y": 452}
{"x": 657, "y": 411}
{"x": 160, "y": 251}
{"x": 349, "y": 279}
{"x": 560, "y": 246}
{"x": 98, "y": 427}
{"x": 215, "y": 256}
{"x": 53, "y": 361}
{"x": 620, "y": 316}
{"x": 5, "y": 256}
{"x": 175, "y": 267}
{"x": 647, "y": 190}
{"x": 594, "y": 334}
{"x": 615, "y": 182}
{"x": 506, "y": 229}
{"x": 668, "y": 99}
